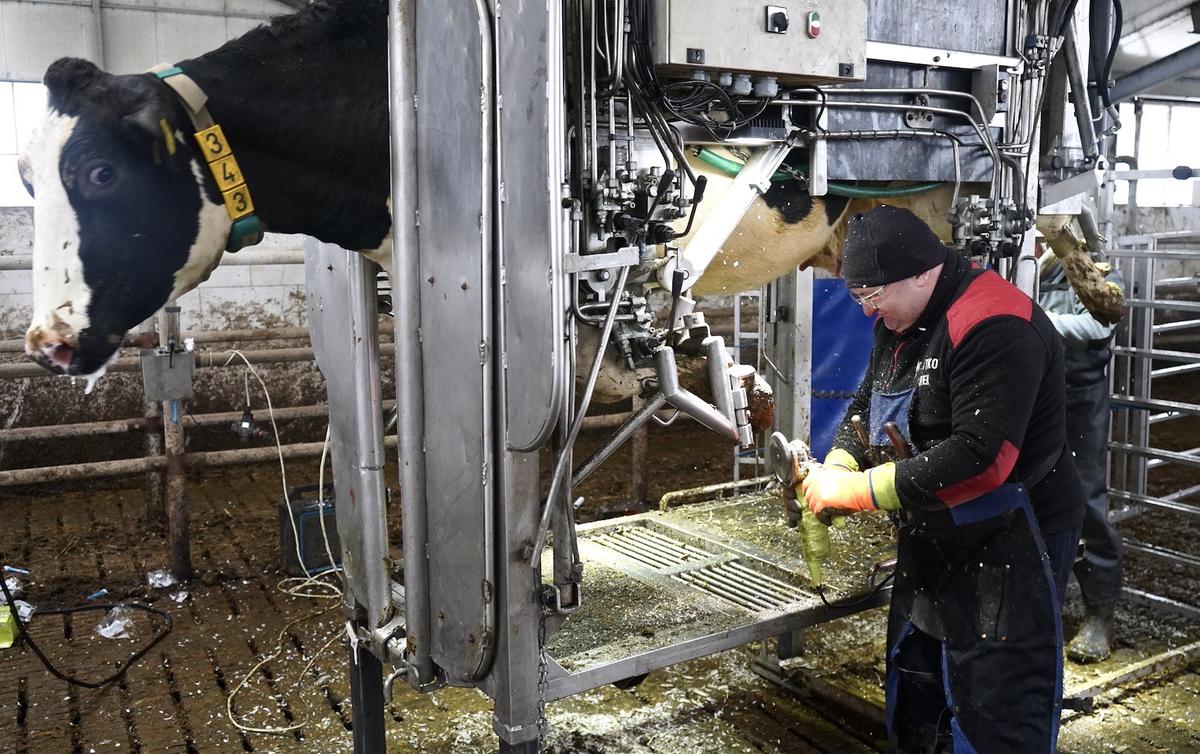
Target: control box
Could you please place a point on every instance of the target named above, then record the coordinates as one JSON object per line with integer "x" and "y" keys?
{"x": 820, "y": 41}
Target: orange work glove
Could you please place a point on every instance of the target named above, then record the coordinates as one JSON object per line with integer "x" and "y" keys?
{"x": 851, "y": 491}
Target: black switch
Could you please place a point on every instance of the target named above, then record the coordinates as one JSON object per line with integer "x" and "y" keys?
{"x": 695, "y": 55}
{"x": 779, "y": 22}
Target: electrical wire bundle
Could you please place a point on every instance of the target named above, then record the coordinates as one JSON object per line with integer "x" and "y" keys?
{"x": 700, "y": 103}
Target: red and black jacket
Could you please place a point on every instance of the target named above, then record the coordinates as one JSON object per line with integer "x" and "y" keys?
{"x": 989, "y": 400}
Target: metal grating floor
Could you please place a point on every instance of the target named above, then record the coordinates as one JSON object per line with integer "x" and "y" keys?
{"x": 664, "y": 586}
{"x": 724, "y": 576}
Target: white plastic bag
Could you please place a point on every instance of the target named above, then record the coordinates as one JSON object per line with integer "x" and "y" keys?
{"x": 117, "y": 624}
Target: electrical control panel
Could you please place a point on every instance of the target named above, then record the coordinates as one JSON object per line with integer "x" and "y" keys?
{"x": 819, "y": 41}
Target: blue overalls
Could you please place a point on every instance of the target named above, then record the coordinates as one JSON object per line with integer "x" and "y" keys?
{"x": 974, "y": 659}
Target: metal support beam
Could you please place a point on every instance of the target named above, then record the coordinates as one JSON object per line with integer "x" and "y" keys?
{"x": 1154, "y": 15}
{"x": 1171, "y": 67}
{"x": 366, "y": 701}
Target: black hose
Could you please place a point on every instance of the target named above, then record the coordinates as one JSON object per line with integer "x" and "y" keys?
{"x": 21, "y": 627}
{"x": 1066, "y": 9}
{"x": 1103, "y": 86}
{"x": 856, "y": 600}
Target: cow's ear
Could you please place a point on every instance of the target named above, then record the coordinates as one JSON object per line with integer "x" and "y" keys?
{"x": 143, "y": 121}
{"x": 147, "y": 123}
{"x": 66, "y": 79}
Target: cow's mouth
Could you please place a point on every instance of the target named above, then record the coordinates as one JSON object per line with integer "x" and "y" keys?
{"x": 56, "y": 357}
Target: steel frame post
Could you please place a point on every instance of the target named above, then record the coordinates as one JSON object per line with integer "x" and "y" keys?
{"x": 791, "y": 344}
{"x": 366, "y": 701}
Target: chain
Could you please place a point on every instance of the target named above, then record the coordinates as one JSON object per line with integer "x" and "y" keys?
{"x": 543, "y": 672}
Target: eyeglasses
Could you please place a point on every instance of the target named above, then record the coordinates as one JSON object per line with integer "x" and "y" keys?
{"x": 868, "y": 299}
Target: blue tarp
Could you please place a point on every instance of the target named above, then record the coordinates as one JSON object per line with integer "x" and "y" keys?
{"x": 841, "y": 349}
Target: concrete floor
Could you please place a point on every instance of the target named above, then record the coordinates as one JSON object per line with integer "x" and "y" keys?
{"x": 174, "y": 698}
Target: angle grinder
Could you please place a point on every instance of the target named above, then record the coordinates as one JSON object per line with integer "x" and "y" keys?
{"x": 790, "y": 462}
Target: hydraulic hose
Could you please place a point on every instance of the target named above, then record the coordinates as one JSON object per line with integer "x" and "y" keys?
{"x": 733, "y": 167}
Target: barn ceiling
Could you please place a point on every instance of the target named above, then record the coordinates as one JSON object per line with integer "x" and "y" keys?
{"x": 1154, "y": 30}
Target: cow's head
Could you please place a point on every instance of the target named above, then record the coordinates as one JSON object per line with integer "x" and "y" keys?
{"x": 126, "y": 215}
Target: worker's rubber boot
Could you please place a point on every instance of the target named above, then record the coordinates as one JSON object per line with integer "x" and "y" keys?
{"x": 1092, "y": 642}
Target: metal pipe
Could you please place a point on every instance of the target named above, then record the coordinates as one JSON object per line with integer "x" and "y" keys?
{"x": 183, "y": 10}
{"x": 150, "y": 340}
{"x": 625, "y": 432}
{"x": 210, "y": 459}
{"x": 156, "y": 481}
{"x": 406, "y": 294}
{"x": 204, "y": 360}
{"x": 133, "y": 340}
{"x": 1172, "y": 371}
{"x": 149, "y": 424}
{"x": 590, "y": 56}
{"x": 1171, "y": 67}
{"x": 178, "y": 524}
{"x": 1090, "y": 228}
{"x": 561, "y": 467}
{"x": 491, "y": 263}
{"x": 17, "y": 262}
{"x": 1079, "y": 96}
{"x": 980, "y": 127}
{"x": 153, "y": 424}
{"x": 678, "y": 497}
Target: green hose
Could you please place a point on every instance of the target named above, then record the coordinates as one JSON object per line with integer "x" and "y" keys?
{"x": 733, "y": 167}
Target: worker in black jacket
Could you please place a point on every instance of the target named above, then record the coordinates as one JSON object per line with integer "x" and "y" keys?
{"x": 990, "y": 503}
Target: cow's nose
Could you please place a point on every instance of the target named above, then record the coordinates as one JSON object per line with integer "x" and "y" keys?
{"x": 53, "y": 343}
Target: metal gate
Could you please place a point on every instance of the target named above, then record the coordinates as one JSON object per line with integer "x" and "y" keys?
{"x": 1159, "y": 309}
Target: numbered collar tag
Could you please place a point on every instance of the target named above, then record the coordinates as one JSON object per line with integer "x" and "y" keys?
{"x": 225, "y": 171}
{"x": 246, "y": 228}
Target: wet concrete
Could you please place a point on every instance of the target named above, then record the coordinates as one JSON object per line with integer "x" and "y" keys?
{"x": 78, "y": 540}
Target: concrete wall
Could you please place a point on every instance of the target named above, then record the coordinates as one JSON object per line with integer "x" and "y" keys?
{"x": 133, "y": 34}
{"x": 233, "y": 297}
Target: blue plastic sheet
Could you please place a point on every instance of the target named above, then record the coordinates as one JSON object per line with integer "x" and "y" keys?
{"x": 841, "y": 350}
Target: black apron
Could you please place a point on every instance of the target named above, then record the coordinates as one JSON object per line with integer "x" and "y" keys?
{"x": 975, "y": 633}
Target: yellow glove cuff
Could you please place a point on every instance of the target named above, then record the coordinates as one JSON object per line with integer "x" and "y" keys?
{"x": 882, "y": 480}
{"x": 839, "y": 457}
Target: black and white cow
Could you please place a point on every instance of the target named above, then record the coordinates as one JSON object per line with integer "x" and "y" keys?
{"x": 128, "y": 217}
{"x": 122, "y": 225}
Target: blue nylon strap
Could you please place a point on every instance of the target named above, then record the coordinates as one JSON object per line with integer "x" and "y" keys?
{"x": 1001, "y": 500}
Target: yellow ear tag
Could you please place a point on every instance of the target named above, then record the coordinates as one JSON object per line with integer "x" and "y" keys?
{"x": 168, "y": 137}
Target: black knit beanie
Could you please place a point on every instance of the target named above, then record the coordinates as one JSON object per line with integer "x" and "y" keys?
{"x": 888, "y": 244}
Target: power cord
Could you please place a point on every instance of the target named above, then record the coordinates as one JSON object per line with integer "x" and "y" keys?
{"x": 315, "y": 586}
{"x": 856, "y": 600}
{"x": 24, "y": 633}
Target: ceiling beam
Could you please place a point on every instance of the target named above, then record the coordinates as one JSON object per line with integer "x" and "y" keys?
{"x": 1154, "y": 15}
{"x": 1171, "y": 67}
{"x": 294, "y": 4}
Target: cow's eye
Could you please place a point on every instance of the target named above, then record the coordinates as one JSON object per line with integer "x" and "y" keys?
{"x": 101, "y": 175}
